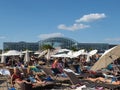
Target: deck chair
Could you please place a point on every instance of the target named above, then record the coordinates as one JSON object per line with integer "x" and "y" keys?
{"x": 57, "y": 78}
{"x": 2, "y": 65}
{"x": 77, "y": 82}
{"x": 108, "y": 86}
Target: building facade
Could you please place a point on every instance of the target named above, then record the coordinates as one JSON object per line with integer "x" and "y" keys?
{"x": 92, "y": 46}
{"x": 20, "y": 46}
{"x": 56, "y": 42}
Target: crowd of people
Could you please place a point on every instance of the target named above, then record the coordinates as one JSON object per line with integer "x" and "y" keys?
{"x": 34, "y": 73}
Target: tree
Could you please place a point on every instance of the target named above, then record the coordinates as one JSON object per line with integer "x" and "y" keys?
{"x": 46, "y": 47}
{"x": 73, "y": 48}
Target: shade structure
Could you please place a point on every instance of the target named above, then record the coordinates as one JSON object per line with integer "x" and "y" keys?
{"x": 12, "y": 53}
{"x": 107, "y": 58}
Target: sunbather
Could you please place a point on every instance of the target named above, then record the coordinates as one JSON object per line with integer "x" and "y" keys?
{"x": 17, "y": 77}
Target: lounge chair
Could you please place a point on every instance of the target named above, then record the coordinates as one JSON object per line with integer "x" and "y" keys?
{"x": 75, "y": 81}
{"x": 57, "y": 78}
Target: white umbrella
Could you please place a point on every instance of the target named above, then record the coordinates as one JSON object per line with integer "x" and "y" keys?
{"x": 61, "y": 55}
{"x": 93, "y": 52}
{"x": 27, "y": 57}
{"x": 108, "y": 57}
{"x": 26, "y": 51}
{"x": 80, "y": 52}
{"x": 12, "y": 53}
{"x": 48, "y": 55}
{"x": 42, "y": 53}
{"x": 63, "y": 50}
{"x": 2, "y": 57}
{"x": 37, "y": 53}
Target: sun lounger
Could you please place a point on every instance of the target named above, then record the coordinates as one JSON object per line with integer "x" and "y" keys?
{"x": 75, "y": 81}
{"x": 57, "y": 78}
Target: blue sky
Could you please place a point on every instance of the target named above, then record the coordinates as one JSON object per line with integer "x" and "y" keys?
{"x": 86, "y": 21}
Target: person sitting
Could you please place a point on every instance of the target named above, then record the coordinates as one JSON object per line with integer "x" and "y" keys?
{"x": 34, "y": 78}
{"x": 56, "y": 67}
{"x": 16, "y": 77}
{"x": 31, "y": 66}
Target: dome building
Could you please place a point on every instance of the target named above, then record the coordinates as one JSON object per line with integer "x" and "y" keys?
{"x": 59, "y": 42}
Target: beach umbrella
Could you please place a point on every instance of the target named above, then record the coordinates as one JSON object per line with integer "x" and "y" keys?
{"x": 27, "y": 57}
{"x": 107, "y": 58}
{"x": 12, "y": 53}
{"x": 48, "y": 55}
{"x": 2, "y": 57}
{"x": 42, "y": 53}
{"x": 61, "y": 55}
{"x": 63, "y": 50}
{"x": 27, "y": 51}
{"x": 80, "y": 52}
{"x": 37, "y": 53}
{"x": 93, "y": 52}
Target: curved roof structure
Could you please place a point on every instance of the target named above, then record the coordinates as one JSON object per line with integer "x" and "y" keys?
{"x": 61, "y": 42}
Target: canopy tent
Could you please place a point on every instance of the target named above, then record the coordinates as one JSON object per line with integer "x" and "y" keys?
{"x": 108, "y": 57}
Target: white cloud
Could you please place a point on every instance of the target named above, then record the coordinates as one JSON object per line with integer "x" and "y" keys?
{"x": 91, "y": 17}
{"x": 113, "y": 39}
{"x": 45, "y": 36}
{"x": 73, "y": 27}
{"x": 2, "y": 37}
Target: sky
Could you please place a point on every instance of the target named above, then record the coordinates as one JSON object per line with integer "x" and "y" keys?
{"x": 86, "y": 21}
